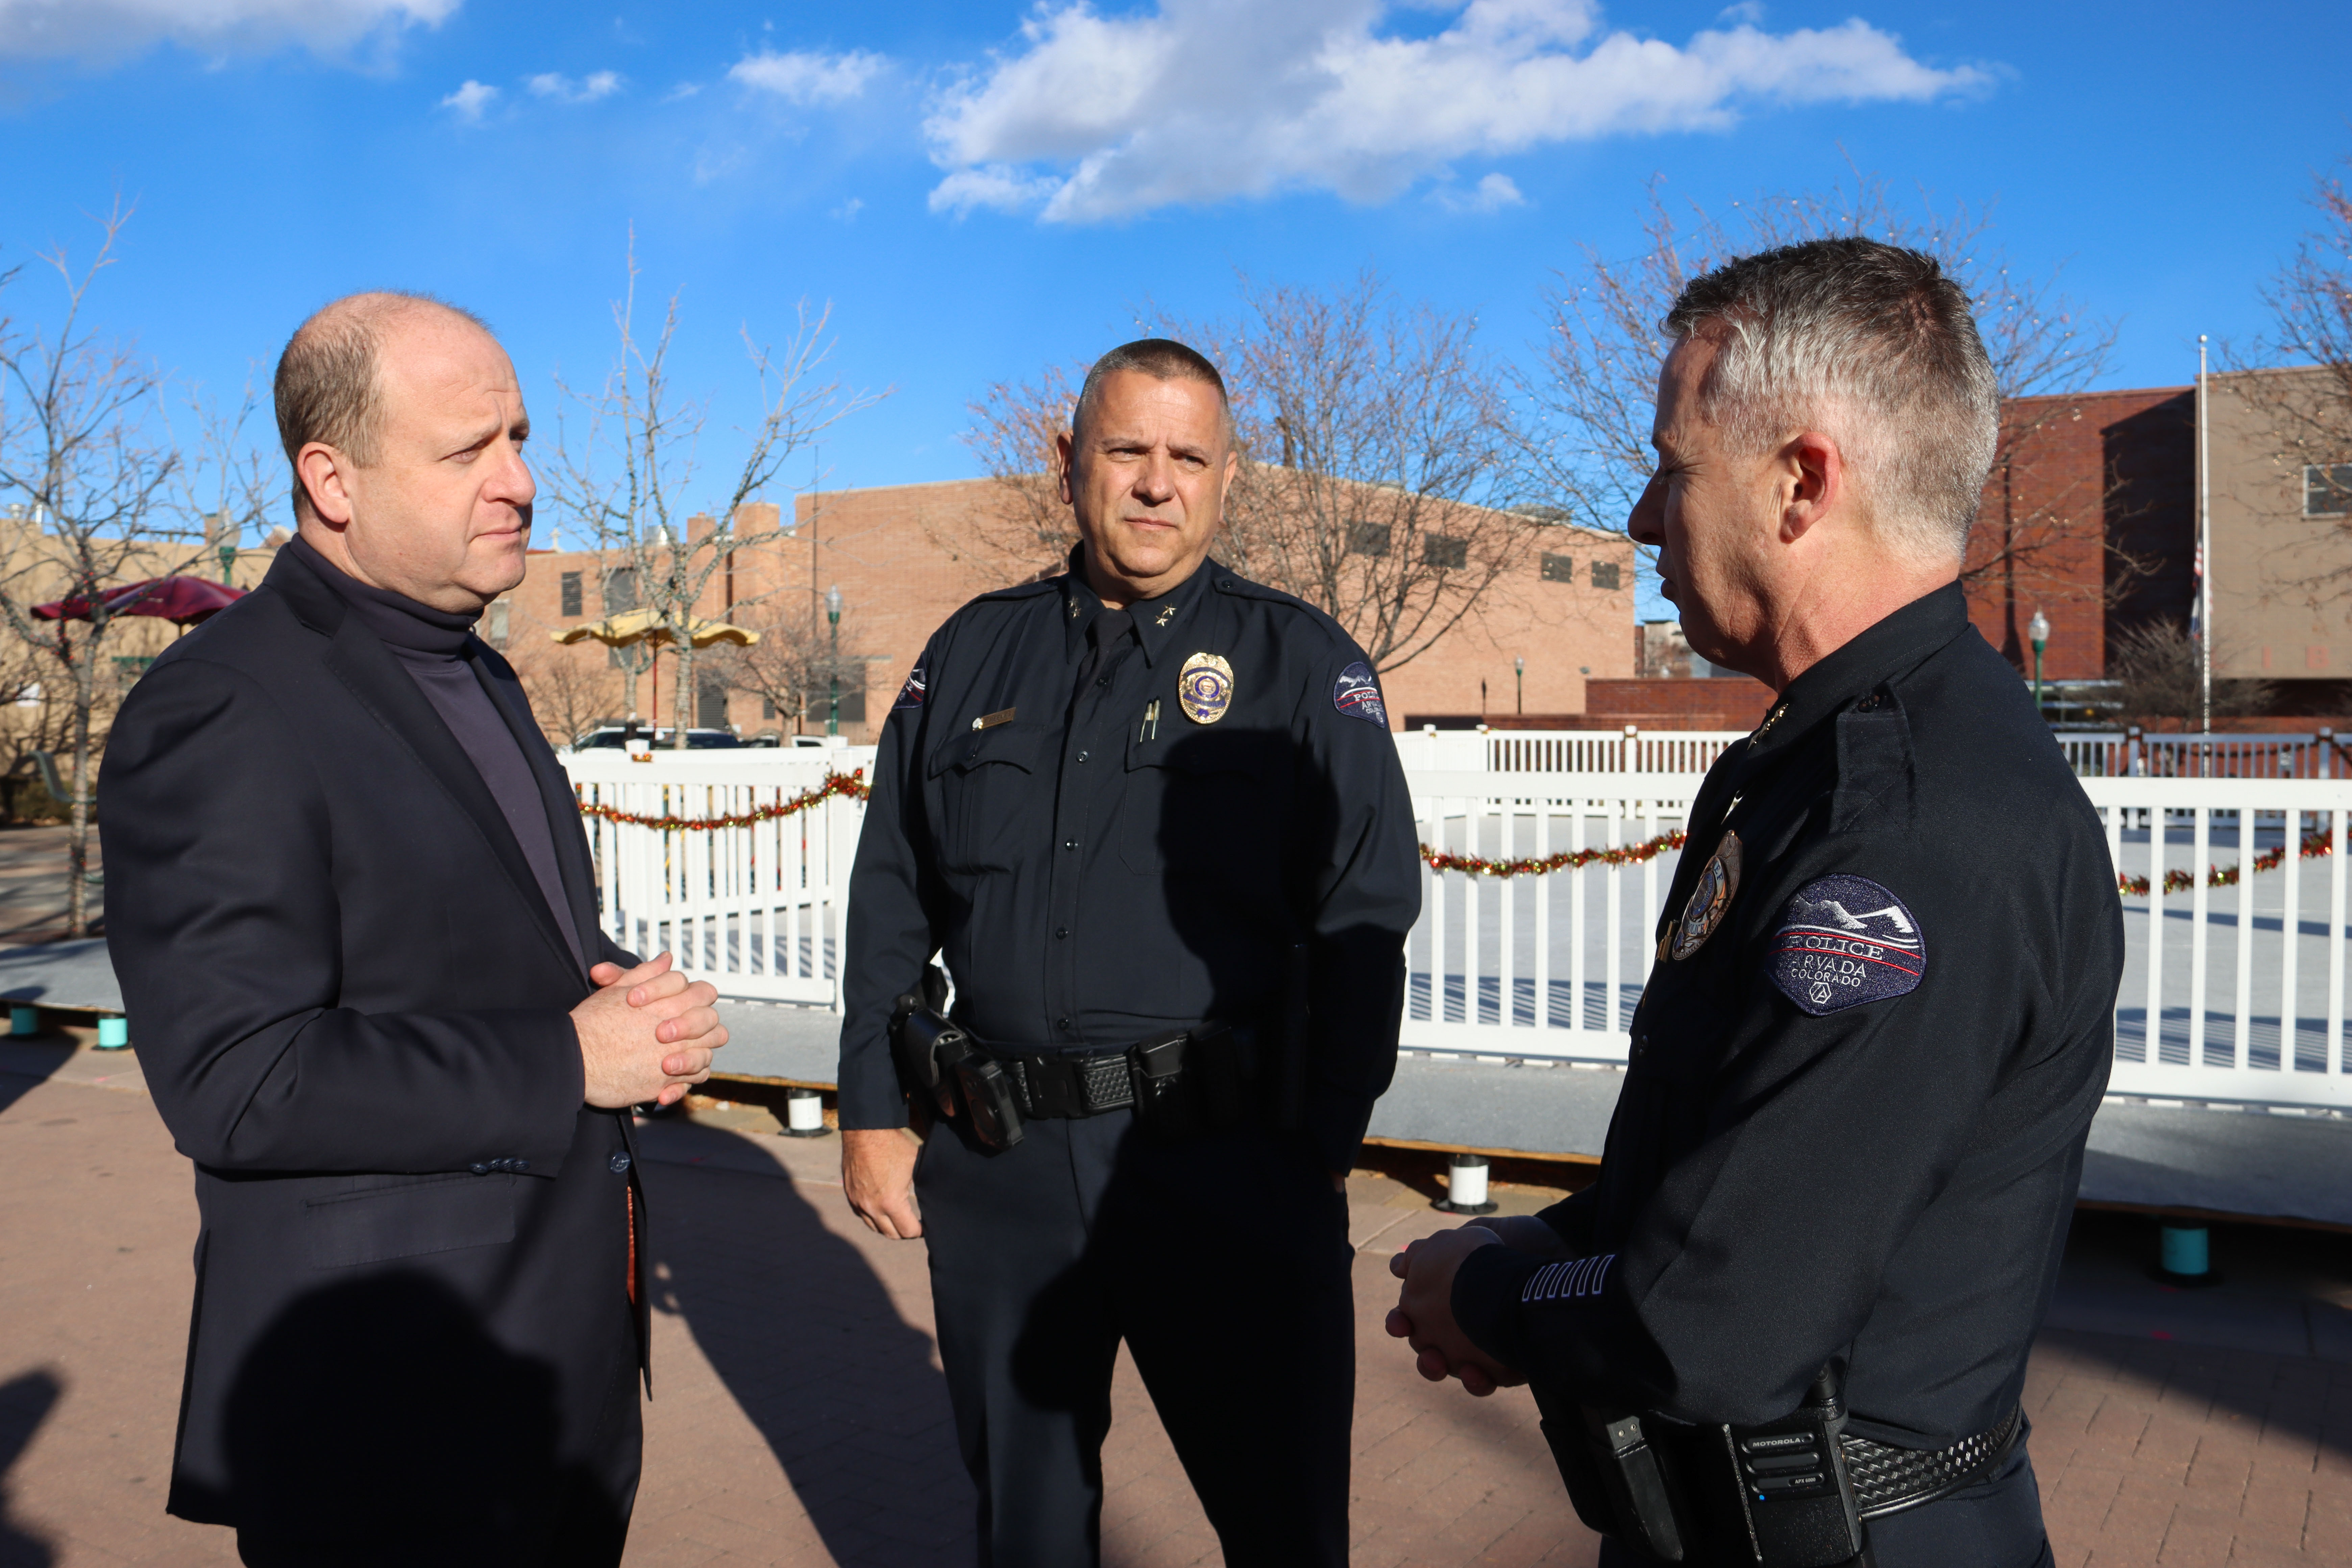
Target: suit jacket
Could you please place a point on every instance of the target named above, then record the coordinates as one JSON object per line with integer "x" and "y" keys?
{"x": 349, "y": 996}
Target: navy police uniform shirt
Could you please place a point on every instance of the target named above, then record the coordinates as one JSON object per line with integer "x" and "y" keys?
{"x": 1101, "y": 865}
{"x": 1862, "y": 1071}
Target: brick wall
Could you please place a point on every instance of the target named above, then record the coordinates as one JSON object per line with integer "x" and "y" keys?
{"x": 2091, "y": 520}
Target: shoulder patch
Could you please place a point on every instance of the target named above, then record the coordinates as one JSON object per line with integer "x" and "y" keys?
{"x": 1844, "y": 940}
{"x": 1357, "y": 693}
{"x": 911, "y": 694}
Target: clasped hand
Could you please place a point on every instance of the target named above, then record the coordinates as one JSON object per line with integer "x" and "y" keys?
{"x": 1423, "y": 1315}
{"x": 645, "y": 1034}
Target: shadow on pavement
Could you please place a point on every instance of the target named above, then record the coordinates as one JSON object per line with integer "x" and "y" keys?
{"x": 25, "y": 1402}
{"x": 24, "y": 1065}
{"x": 805, "y": 1336}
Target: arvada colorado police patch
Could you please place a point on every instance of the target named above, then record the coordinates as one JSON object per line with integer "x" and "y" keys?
{"x": 1357, "y": 693}
{"x": 1845, "y": 941}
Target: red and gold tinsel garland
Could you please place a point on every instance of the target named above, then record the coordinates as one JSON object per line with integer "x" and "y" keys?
{"x": 852, "y": 784}
{"x": 2315, "y": 846}
{"x": 1567, "y": 860}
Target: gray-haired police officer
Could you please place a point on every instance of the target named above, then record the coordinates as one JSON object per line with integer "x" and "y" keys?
{"x": 1793, "y": 1310}
{"x": 1152, "y": 817}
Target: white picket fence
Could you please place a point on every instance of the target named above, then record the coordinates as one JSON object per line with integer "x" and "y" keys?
{"x": 2232, "y": 994}
{"x": 757, "y": 910}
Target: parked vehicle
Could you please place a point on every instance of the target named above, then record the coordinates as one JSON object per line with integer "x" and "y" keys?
{"x": 616, "y": 738}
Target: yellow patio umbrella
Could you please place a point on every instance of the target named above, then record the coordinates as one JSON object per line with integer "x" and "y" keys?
{"x": 631, "y": 628}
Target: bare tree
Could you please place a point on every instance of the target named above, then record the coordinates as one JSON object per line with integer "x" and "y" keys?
{"x": 83, "y": 456}
{"x": 792, "y": 667}
{"x": 2309, "y": 416}
{"x": 224, "y": 486}
{"x": 1590, "y": 397}
{"x": 1012, "y": 433}
{"x": 630, "y": 472}
{"x": 568, "y": 698}
{"x": 1375, "y": 440}
{"x": 2161, "y": 678}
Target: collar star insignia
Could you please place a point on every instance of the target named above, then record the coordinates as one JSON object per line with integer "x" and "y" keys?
{"x": 1166, "y": 616}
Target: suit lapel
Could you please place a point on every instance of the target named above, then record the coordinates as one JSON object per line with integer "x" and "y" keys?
{"x": 555, "y": 794}
{"x": 367, "y": 668}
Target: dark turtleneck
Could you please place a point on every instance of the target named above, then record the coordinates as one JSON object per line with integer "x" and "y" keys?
{"x": 436, "y": 649}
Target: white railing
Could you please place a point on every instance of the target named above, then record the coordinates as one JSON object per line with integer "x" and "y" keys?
{"x": 1550, "y": 967}
{"x": 757, "y": 910}
{"x": 2233, "y": 993}
{"x": 1628, "y": 749}
{"x": 2133, "y": 754}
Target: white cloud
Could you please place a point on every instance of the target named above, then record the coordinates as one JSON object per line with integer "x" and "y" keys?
{"x": 563, "y": 89}
{"x": 1490, "y": 194}
{"x": 996, "y": 185}
{"x": 102, "y": 31}
{"x": 805, "y": 76}
{"x": 470, "y": 101}
{"x": 847, "y": 211}
{"x": 1095, "y": 117}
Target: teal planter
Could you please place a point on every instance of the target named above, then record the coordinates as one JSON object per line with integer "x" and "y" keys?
{"x": 23, "y": 1020}
{"x": 113, "y": 1034}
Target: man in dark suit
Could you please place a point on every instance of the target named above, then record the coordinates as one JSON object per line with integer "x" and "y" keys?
{"x": 355, "y": 920}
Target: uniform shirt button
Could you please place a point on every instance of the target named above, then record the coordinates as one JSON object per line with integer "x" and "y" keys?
{"x": 521, "y": 1166}
{"x": 620, "y": 1162}
{"x": 1069, "y": 844}
{"x": 478, "y": 1168}
{"x": 1082, "y": 756}
{"x": 1061, "y": 930}
{"x": 1062, "y": 1024}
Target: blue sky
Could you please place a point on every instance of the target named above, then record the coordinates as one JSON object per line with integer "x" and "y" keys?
{"x": 981, "y": 190}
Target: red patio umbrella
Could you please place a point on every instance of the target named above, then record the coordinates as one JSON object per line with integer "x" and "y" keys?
{"x": 184, "y": 600}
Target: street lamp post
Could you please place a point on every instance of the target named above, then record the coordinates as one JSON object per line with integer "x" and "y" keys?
{"x": 228, "y": 564}
{"x": 2039, "y": 631}
{"x": 1520, "y": 666}
{"x": 833, "y": 617}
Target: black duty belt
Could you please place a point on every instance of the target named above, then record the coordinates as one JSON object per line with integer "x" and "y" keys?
{"x": 1073, "y": 1086}
{"x": 1888, "y": 1481}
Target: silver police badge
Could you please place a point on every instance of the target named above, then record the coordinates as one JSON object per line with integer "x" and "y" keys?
{"x": 1710, "y": 899}
{"x": 1204, "y": 687}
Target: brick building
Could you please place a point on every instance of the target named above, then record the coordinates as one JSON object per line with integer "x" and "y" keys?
{"x": 905, "y": 557}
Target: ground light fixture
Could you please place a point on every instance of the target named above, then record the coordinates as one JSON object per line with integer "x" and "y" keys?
{"x": 1465, "y": 1186}
{"x": 804, "y": 1114}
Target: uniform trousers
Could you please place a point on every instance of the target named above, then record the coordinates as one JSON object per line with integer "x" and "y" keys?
{"x": 1222, "y": 1260}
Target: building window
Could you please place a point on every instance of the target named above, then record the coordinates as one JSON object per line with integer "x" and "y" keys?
{"x": 2326, "y": 489}
{"x": 1445, "y": 553}
{"x": 572, "y": 599}
{"x": 1604, "y": 574}
{"x": 1558, "y": 568}
{"x": 767, "y": 707}
{"x": 620, "y": 590}
{"x": 494, "y": 624}
{"x": 1368, "y": 538}
{"x": 710, "y": 705}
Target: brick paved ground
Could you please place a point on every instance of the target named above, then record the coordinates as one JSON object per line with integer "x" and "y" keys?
{"x": 799, "y": 1416}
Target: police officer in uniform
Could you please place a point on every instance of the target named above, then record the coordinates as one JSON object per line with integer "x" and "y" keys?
{"x": 1789, "y": 1320}
{"x": 1150, "y": 815}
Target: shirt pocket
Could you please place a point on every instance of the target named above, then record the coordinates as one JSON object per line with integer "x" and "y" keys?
{"x": 986, "y": 786}
{"x": 1206, "y": 806}
{"x": 409, "y": 1216}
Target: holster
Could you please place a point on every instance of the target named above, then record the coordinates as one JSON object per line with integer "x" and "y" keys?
{"x": 1780, "y": 1494}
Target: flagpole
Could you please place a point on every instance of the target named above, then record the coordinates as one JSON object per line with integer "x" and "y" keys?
{"x": 2204, "y": 548}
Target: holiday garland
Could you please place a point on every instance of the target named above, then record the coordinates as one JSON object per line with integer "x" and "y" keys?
{"x": 1566, "y": 861}
{"x": 852, "y": 784}
{"x": 2315, "y": 846}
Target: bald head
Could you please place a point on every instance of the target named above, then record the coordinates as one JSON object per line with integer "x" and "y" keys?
{"x": 405, "y": 424}
{"x": 329, "y": 386}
